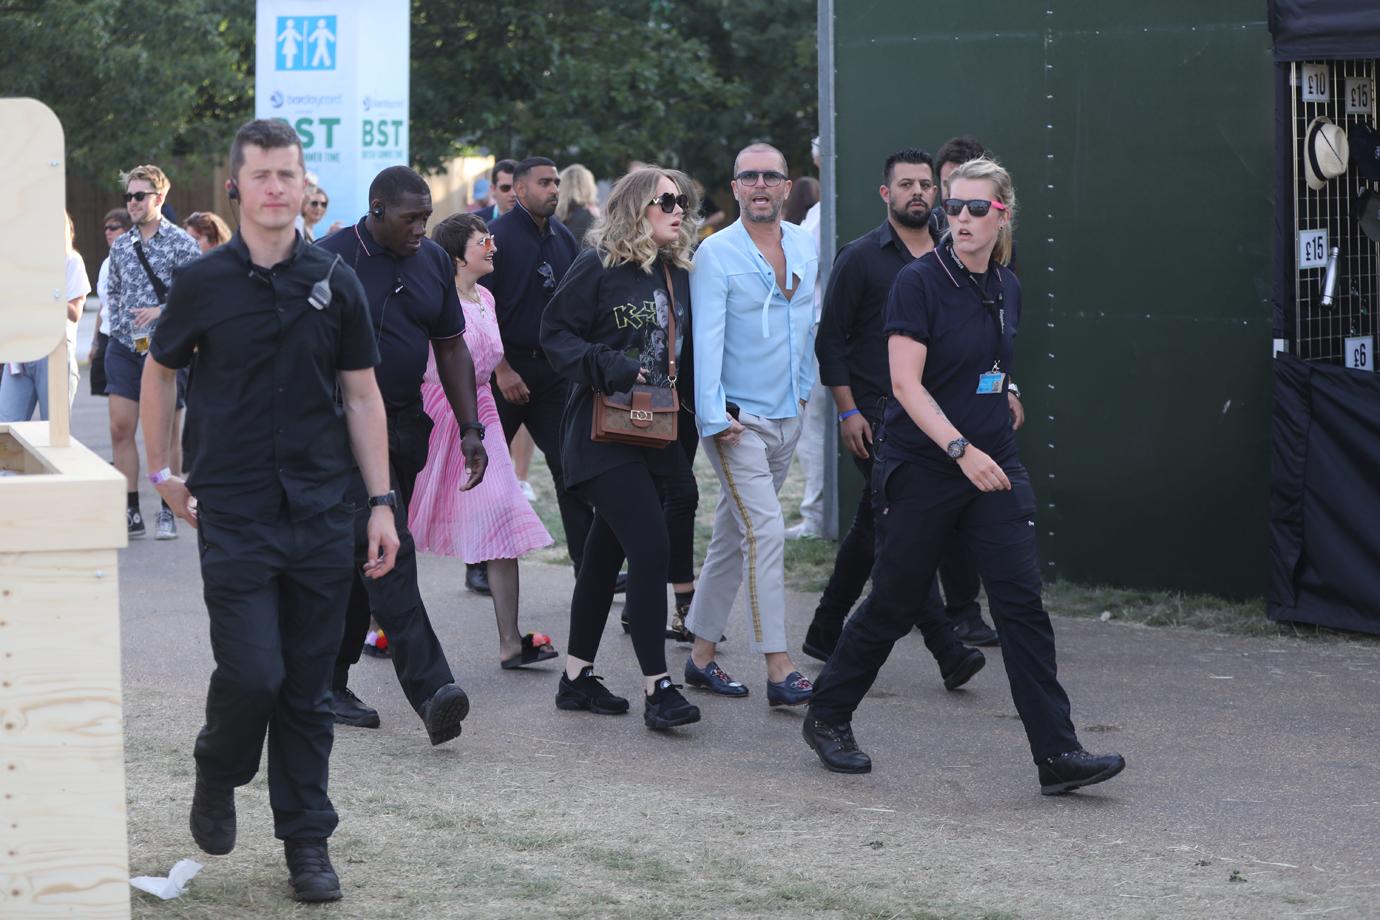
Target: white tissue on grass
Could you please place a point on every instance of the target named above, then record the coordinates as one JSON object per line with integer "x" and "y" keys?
{"x": 172, "y": 886}
{"x": 1105, "y": 616}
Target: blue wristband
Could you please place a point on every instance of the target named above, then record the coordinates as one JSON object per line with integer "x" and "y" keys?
{"x": 849, "y": 414}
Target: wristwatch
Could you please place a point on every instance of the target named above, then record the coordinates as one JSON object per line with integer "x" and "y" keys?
{"x": 956, "y": 448}
{"x": 1013, "y": 389}
{"x": 467, "y": 427}
{"x": 387, "y": 498}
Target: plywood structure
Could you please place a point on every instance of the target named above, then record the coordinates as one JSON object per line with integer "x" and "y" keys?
{"x": 63, "y": 850}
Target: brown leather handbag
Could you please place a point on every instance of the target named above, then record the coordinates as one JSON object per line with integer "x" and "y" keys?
{"x": 646, "y": 415}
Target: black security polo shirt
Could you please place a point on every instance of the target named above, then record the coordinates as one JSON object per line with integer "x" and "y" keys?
{"x": 412, "y": 301}
{"x": 528, "y": 265}
{"x": 262, "y": 415}
{"x": 849, "y": 344}
{"x": 936, "y": 301}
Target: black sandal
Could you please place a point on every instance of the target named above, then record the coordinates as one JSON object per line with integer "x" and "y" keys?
{"x": 535, "y": 647}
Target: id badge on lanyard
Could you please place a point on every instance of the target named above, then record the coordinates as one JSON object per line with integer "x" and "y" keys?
{"x": 994, "y": 381}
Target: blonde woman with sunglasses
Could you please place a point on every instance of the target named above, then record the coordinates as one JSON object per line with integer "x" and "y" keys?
{"x": 607, "y": 328}
{"x": 948, "y": 461}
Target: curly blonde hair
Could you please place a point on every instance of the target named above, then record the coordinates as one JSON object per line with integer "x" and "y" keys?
{"x": 985, "y": 167}
{"x": 623, "y": 233}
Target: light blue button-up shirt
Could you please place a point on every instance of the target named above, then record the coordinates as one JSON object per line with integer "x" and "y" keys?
{"x": 752, "y": 345}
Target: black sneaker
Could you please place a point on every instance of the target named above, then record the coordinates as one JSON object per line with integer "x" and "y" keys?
{"x": 971, "y": 629}
{"x": 213, "y": 818}
{"x": 134, "y": 522}
{"x": 835, "y": 745}
{"x": 666, "y": 708}
{"x": 477, "y": 578}
{"x": 350, "y": 710}
{"x": 1067, "y": 772}
{"x": 588, "y": 692}
{"x": 309, "y": 866}
{"x": 960, "y": 667}
{"x": 443, "y": 713}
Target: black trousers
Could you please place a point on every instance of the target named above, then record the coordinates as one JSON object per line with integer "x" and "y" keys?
{"x": 855, "y": 558}
{"x": 628, "y": 518}
{"x": 917, "y": 511}
{"x": 542, "y": 416}
{"x": 275, "y": 593}
{"x": 395, "y": 600}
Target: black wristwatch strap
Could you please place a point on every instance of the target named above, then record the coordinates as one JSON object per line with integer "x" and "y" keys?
{"x": 467, "y": 427}
{"x": 388, "y": 498}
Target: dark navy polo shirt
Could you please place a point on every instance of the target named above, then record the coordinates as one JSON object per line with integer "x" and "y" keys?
{"x": 520, "y": 285}
{"x": 262, "y": 415}
{"x": 412, "y": 302}
{"x": 936, "y": 301}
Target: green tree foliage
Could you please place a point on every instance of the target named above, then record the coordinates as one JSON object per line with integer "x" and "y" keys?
{"x": 600, "y": 81}
{"x": 133, "y": 81}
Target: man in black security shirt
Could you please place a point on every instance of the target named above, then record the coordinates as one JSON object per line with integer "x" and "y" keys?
{"x": 276, "y": 326}
{"x": 410, "y": 284}
{"x": 534, "y": 252}
{"x": 853, "y": 363}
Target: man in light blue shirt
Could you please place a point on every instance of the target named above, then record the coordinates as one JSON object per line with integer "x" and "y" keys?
{"x": 752, "y": 292}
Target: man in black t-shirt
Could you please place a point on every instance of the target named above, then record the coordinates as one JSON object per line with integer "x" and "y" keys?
{"x": 276, "y": 326}
{"x": 410, "y": 283}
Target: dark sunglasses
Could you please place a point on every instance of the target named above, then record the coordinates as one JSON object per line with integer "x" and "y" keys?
{"x": 770, "y": 178}
{"x": 113, "y": 228}
{"x": 670, "y": 202}
{"x": 317, "y": 204}
{"x": 138, "y": 196}
{"x": 978, "y": 207}
{"x": 548, "y": 276}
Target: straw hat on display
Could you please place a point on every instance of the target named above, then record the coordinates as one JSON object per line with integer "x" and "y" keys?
{"x": 1325, "y": 152}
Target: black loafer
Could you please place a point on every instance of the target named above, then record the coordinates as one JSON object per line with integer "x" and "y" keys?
{"x": 960, "y": 670}
{"x": 835, "y": 746}
{"x": 350, "y": 710}
{"x": 443, "y": 713}
{"x": 309, "y": 867}
{"x": 213, "y": 818}
{"x": 1069, "y": 771}
{"x": 477, "y": 578}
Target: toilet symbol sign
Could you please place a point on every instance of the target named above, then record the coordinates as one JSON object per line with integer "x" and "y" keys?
{"x": 305, "y": 43}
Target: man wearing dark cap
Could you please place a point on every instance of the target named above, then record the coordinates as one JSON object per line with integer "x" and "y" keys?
{"x": 410, "y": 284}
{"x": 534, "y": 251}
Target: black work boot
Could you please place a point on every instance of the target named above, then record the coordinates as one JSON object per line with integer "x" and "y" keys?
{"x": 959, "y": 667}
{"x": 309, "y": 866}
{"x": 443, "y": 713}
{"x": 351, "y": 710}
{"x": 213, "y": 817}
{"x": 1067, "y": 772}
{"x": 834, "y": 744}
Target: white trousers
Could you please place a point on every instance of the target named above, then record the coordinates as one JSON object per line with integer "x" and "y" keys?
{"x": 749, "y": 538}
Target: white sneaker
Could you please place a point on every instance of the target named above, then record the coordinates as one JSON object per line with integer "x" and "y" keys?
{"x": 803, "y": 529}
{"x": 165, "y": 525}
{"x": 528, "y": 492}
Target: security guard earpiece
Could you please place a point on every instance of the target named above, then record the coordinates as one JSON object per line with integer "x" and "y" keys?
{"x": 233, "y": 190}
{"x": 377, "y": 212}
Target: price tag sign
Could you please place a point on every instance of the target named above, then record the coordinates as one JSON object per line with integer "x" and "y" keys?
{"x": 1312, "y": 249}
{"x": 1314, "y": 83}
{"x": 1360, "y": 353}
{"x": 1359, "y": 92}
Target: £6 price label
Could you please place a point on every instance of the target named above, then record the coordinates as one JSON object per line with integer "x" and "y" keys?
{"x": 1312, "y": 248}
{"x": 1360, "y": 353}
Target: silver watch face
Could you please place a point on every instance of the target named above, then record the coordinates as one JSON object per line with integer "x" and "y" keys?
{"x": 957, "y": 447}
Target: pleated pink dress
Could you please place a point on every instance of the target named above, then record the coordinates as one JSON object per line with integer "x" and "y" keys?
{"x": 493, "y": 520}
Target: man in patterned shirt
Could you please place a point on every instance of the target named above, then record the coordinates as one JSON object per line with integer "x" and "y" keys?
{"x": 141, "y": 268}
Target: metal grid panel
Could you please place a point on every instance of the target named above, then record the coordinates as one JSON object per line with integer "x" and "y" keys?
{"x": 1320, "y": 332}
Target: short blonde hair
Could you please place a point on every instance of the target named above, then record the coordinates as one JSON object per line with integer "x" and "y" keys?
{"x": 578, "y": 190}
{"x": 150, "y": 174}
{"x": 985, "y": 167}
{"x": 624, "y": 234}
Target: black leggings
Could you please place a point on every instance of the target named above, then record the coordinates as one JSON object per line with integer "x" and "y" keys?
{"x": 680, "y": 498}
{"x": 628, "y": 518}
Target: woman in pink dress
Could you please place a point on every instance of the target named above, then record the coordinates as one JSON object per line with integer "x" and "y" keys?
{"x": 492, "y": 522}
